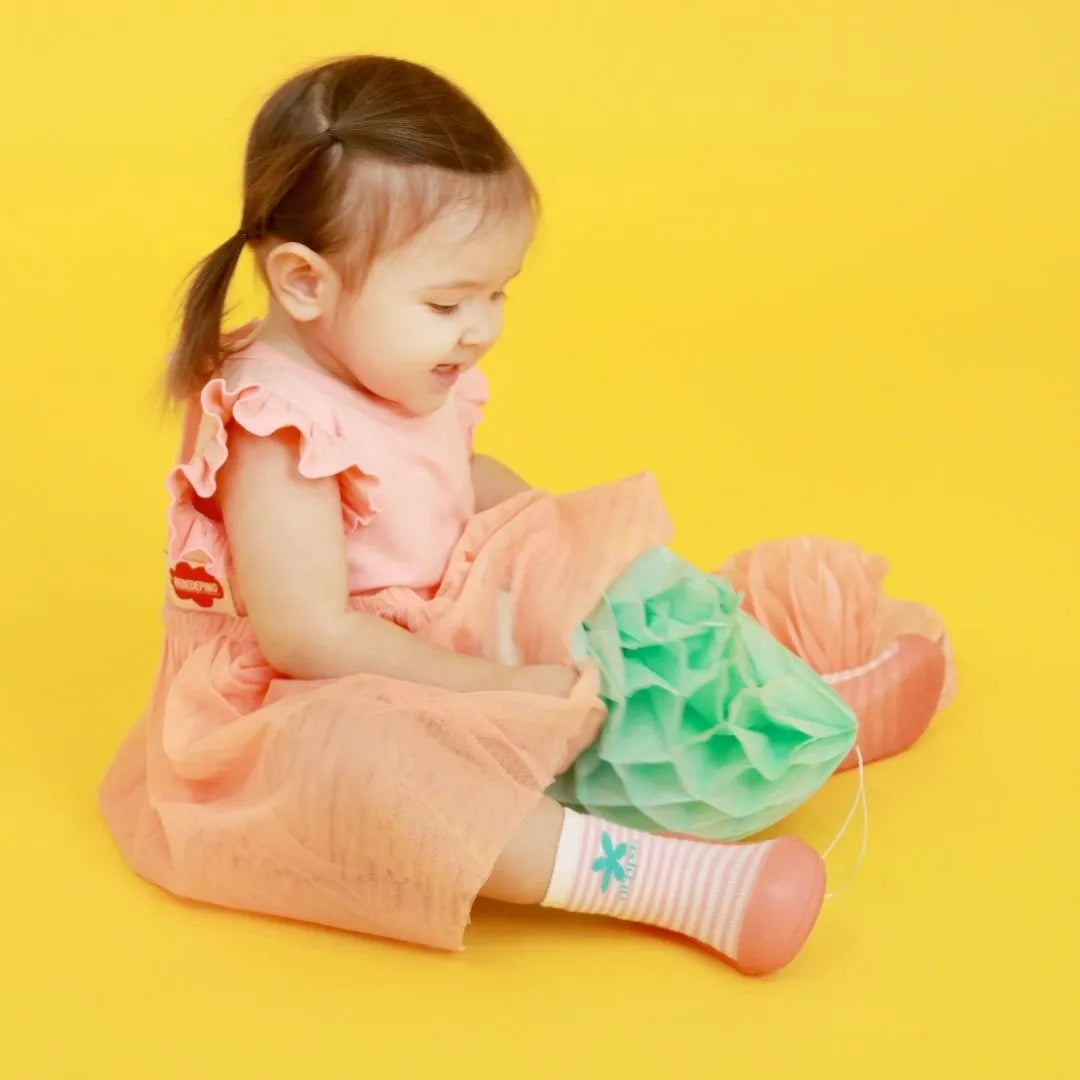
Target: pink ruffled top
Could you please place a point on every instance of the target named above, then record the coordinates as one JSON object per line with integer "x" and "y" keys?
{"x": 406, "y": 481}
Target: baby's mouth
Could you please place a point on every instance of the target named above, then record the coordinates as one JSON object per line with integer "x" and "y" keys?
{"x": 448, "y": 373}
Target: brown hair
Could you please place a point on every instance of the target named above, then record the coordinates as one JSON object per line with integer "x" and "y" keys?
{"x": 356, "y": 156}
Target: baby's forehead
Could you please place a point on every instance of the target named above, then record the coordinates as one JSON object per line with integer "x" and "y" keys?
{"x": 466, "y": 244}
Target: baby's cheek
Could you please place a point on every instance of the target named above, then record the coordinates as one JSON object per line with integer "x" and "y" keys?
{"x": 433, "y": 344}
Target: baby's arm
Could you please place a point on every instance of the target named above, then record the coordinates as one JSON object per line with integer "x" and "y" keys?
{"x": 289, "y": 556}
{"x": 494, "y": 483}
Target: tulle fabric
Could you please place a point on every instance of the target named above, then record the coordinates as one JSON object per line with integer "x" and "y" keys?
{"x": 372, "y": 804}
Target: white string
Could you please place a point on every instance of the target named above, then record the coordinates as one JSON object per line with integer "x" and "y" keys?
{"x": 835, "y": 678}
{"x": 860, "y": 797}
{"x": 506, "y": 650}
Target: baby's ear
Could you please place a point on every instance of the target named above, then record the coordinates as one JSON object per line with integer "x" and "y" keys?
{"x": 304, "y": 283}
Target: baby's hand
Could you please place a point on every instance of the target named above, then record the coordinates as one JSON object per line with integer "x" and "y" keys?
{"x": 554, "y": 680}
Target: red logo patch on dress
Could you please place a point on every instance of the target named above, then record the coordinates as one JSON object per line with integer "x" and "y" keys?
{"x": 196, "y": 583}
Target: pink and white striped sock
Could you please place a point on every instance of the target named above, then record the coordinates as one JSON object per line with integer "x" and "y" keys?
{"x": 754, "y": 903}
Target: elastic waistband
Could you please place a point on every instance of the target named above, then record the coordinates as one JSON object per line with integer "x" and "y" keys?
{"x": 181, "y": 622}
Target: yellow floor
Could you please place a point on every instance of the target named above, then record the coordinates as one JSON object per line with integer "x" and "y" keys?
{"x": 814, "y": 264}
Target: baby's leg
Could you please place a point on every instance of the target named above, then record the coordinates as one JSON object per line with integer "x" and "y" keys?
{"x": 522, "y": 872}
{"x": 754, "y": 903}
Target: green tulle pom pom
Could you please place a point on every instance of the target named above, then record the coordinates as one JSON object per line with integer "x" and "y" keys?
{"x": 714, "y": 729}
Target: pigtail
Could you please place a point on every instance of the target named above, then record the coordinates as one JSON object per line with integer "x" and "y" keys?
{"x": 199, "y": 354}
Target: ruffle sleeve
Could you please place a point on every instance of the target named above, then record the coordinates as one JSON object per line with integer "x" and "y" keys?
{"x": 238, "y": 398}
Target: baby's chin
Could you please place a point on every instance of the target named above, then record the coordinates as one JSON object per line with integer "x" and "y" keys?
{"x": 423, "y": 395}
{"x": 424, "y": 403}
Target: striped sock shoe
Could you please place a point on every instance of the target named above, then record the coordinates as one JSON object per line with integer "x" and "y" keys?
{"x": 754, "y": 903}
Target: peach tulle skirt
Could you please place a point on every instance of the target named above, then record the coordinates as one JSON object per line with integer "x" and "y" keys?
{"x": 366, "y": 803}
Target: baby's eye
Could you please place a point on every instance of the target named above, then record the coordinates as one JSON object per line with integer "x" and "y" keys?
{"x": 444, "y": 309}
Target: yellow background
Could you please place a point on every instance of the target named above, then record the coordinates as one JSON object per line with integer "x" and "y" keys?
{"x": 814, "y": 263}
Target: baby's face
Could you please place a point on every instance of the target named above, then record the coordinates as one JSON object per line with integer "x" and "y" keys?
{"x": 428, "y": 311}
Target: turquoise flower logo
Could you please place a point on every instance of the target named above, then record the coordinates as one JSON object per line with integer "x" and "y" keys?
{"x": 610, "y": 863}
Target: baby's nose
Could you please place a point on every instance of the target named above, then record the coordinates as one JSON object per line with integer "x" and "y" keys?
{"x": 484, "y": 328}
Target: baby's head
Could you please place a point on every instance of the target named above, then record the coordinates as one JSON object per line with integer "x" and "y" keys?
{"x": 387, "y": 215}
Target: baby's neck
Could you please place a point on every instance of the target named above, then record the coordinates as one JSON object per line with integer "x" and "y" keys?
{"x": 282, "y": 333}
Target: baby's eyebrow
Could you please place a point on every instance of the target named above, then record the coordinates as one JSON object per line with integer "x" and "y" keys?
{"x": 458, "y": 285}
{"x": 450, "y": 286}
